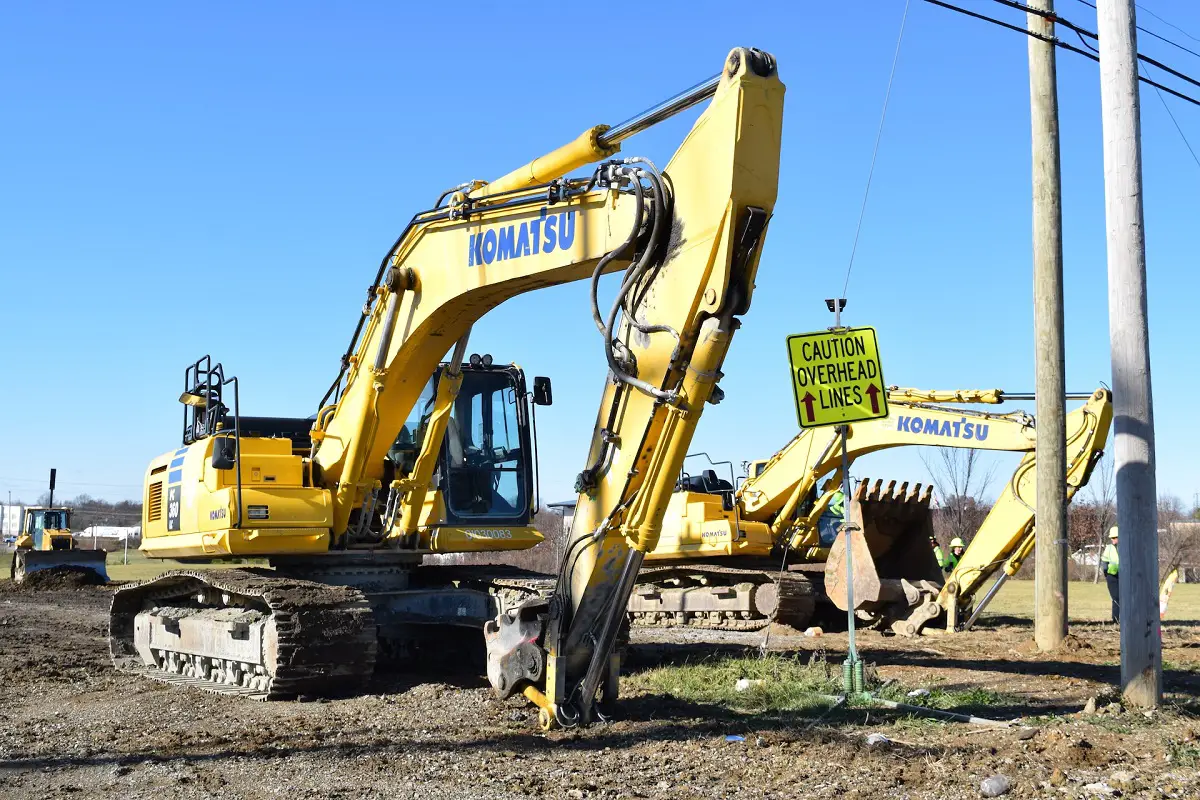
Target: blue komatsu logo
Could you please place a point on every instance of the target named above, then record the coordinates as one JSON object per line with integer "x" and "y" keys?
{"x": 218, "y": 514}
{"x": 954, "y": 430}
{"x": 542, "y": 235}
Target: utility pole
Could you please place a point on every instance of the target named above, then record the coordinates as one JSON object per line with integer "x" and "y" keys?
{"x": 1050, "y": 553}
{"x": 1129, "y": 338}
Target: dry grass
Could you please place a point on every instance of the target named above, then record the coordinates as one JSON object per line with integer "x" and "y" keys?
{"x": 1088, "y": 601}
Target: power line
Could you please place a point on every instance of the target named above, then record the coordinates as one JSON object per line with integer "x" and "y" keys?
{"x": 1149, "y": 32}
{"x": 1169, "y": 24}
{"x": 875, "y": 152}
{"x": 1082, "y": 32}
{"x": 1059, "y": 43}
{"x": 1182, "y": 135}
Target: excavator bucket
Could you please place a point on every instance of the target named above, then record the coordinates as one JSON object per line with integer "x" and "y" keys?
{"x": 889, "y": 540}
{"x": 27, "y": 562}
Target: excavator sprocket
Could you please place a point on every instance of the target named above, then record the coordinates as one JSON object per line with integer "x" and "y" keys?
{"x": 246, "y": 632}
{"x": 722, "y": 598}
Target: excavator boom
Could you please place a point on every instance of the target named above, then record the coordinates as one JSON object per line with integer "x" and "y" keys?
{"x": 680, "y": 315}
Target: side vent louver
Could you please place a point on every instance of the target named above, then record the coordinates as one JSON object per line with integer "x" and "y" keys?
{"x": 154, "y": 503}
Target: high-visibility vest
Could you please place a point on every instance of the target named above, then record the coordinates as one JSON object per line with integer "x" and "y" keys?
{"x": 950, "y": 562}
{"x": 837, "y": 505}
{"x": 937, "y": 553}
{"x": 1110, "y": 557}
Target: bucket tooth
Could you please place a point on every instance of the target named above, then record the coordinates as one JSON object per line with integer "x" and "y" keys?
{"x": 889, "y": 536}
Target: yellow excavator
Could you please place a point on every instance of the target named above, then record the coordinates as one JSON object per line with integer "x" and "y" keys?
{"x": 740, "y": 559}
{"x": 45, "y": 542}
{"x": 345, "y": 506}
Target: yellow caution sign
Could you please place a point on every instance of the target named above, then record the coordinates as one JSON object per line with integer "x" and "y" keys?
{"x": 837, "y": 377}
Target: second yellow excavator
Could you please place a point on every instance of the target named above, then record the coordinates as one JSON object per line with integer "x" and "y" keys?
{"x": 741, "y": 558}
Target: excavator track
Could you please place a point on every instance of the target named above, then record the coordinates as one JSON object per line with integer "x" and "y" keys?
{"x": 723, "y": 598}
{"x": 246, "y": 632}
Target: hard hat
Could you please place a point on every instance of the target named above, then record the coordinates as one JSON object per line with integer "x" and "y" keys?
{"x": 957, "y": 542}
{"x": 1112, "y": 532}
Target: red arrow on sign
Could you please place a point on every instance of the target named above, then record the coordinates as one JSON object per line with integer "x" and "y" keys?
{"x": 808, "y": 405}
{"x": 873, "y": 393}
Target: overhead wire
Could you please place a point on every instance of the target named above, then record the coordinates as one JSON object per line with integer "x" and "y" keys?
{"x": 1165, "y": 22}
{"x": 1182, "y": 135}
{"x": 1059, "y": 43}
{"x": 875, "y": 151}
{"x": 1149, "y": 32}
{"x": 1083, "y": 32}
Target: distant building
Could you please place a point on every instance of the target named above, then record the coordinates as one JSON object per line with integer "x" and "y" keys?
{"x": 117, "y": 532}
{"x": 10, "y": 519}
{"x": 566, "y": 508}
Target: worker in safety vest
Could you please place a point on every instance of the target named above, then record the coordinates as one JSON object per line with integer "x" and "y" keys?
{"x": 1110, "y": 562}
{"x": 830, "y": 522}
{"x": 937, "y": 552}
{"x": 957, "y": 547}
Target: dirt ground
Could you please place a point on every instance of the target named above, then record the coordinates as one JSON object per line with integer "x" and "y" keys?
{"x": 72, "y": 727}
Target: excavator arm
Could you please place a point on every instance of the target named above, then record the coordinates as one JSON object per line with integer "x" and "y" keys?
{"x": 792, "y": 474}
{"x": 1004, "y": 539}
{"x": 679, "y": 316}
{"x": 1006, "y": 536}
{"x": 675, "y": 234}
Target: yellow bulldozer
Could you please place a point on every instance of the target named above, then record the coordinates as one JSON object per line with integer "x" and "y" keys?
{"x": 45, "y": 542}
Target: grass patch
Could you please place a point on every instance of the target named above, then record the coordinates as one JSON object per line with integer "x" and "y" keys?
{"x": 788, "y": 683}
{"x": 975, "y": 698}
{"x": 1183, "y": 754}
{"x": 777, "y": 683}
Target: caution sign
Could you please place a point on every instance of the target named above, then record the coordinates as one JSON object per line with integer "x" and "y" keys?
{"x": 837, "y": 377}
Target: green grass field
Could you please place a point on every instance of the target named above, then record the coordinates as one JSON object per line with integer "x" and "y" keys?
{"x": 1089, "y": 601}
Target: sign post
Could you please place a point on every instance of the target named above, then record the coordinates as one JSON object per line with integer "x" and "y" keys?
{"x": 837, "y": 379}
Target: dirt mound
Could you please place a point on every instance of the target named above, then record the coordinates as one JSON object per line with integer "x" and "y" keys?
{"x": 60, "y": 578}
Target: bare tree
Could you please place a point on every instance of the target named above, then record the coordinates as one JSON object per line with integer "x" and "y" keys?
{"x": 1098, "y": 510}
{"x": 1178, "y": 536}
{"x": 962, "y": 481}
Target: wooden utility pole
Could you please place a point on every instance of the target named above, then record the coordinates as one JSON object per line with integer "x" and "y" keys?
{"x": 1050, "y": 585}
{"x": 1129, "y": 336}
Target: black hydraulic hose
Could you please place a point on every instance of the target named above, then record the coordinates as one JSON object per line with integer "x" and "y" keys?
{"x": 613, "y": 254}
{"x": 652, "y": 255}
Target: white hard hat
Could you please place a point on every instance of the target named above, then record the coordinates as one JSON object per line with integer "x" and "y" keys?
{"x": 1112, "y": 532}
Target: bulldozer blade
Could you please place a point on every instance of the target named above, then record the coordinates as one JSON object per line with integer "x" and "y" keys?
{"x": 888, "y": 536}
{"x": 27, "y": 562}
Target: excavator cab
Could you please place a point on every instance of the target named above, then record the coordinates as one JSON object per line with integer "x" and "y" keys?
{"x": 244, "y": 485}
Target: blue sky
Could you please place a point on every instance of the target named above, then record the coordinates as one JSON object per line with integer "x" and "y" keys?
{"x": 224, "y": 179}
